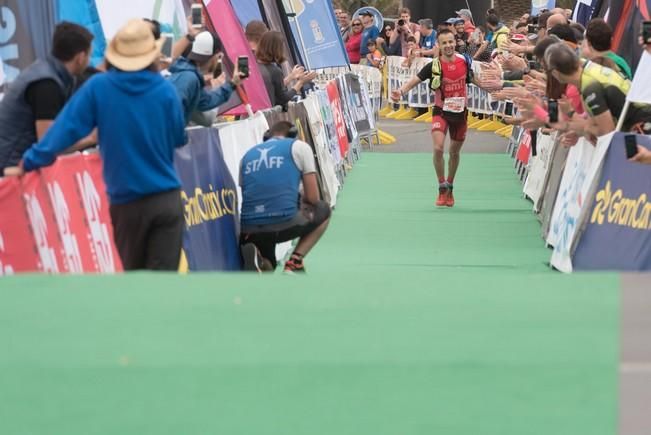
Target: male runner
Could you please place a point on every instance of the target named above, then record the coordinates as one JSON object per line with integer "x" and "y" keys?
{"x": 449, "y": 74}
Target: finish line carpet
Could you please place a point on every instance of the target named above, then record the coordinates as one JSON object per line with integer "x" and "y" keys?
{"x": 412, "y": 320}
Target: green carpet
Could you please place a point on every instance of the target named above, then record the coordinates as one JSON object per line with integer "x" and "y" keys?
{"x": 412, "y": 321}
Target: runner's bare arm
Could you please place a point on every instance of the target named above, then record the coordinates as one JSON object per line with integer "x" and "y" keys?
{"x": 397, "y": 93}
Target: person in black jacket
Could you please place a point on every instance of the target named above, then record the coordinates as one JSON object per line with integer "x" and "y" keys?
{"x": 270, "y": 54}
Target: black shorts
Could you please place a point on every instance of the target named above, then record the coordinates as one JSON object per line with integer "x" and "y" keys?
{"x": 265, "y": 237}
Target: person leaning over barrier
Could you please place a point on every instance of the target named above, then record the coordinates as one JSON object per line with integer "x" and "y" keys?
{"x": 35, "y": 98}
{"x": 188, "y": 80}
{"x": 140, "y": 122}
{"x": 603, "y": 92}
{"x": 273, "y": 211}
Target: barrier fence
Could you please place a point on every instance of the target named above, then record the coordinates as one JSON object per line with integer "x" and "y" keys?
{"x": 56, "y": 220}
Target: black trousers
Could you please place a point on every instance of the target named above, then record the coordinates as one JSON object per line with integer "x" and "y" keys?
{"x": 265, "y": 237}
{"x": 148, "y": 232}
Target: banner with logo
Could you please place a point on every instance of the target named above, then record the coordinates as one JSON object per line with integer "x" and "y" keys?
{"x": 94, "y": 201}
{"x": 580, "y": 178}
{"x": 618, "y": 232}
{"x": 524, "y": 148}
{"x": 339, "y": 122}
{"x": 18, "y": 253}
{"x": 316, "y": 33}
{"x": 43, "y": 223}
{"x": 231, "y": 34}
{"x": 325, "y": 157}
{"x": 16, "y": 48}
{"x": 539, "y": 169}
{"x": 61, "y": 182}
{"x": 210, "y": 203}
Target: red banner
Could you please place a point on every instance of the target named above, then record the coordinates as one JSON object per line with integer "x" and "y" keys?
{"x": 337, "y": 114}
{"x": 95, "y": 204}
{"x": 43, "y": 224}
{"x": 524, "y": 149}
{"x": 57, "y": 220}
{"x": 17, "y": 249}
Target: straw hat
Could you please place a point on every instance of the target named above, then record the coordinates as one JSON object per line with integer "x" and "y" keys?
{"x": 134, "y": 48}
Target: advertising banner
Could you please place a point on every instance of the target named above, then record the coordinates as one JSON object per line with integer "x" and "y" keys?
{"x": 618, "y": 232}
{"x": 231, "y": 34}
{"x": 316, "y": 33}
{"x": 326, "y": 159}
{"x": 96, "y": 207}
{"x": 43, "y": 224}
{"x": 355, "y": 103}
{"x": 524, "y": 148}
{"x": 574, "y": 198}
{"x": 16, "y": 48}
{"x": 60, "y": 180}
{"x": 338, "y": 117}
{"x": 17, "y": 250}
{"x": 539, "y": 169}
{"x": 210, "y": 204}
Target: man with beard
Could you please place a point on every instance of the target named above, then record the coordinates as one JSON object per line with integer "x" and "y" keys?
{"x": 448, "y": 76}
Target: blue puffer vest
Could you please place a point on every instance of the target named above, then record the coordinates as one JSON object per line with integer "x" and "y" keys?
{"x": 17, "y": 123}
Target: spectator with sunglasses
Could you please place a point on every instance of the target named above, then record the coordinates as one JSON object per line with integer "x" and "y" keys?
{"x": 354, "y": 41}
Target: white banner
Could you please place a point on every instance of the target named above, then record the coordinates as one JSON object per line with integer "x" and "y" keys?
{"x": 236, "y": 139}
{"x": 115, "y": 13}
{"x": 321, "y": 144}
{"x": 581, "y": 173}
{"x": 539, "y": 166}
{"x": 640, "y": 91}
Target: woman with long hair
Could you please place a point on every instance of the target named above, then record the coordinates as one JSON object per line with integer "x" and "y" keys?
{"x": 353, "y": 45}
{"x": 270, "y": 54}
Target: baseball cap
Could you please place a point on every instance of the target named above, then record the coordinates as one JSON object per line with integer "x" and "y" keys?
{"x": 205, "y": 46}
{"x": 464, "y": 13}
{"x": 367, "y": 13}
{"x": 451, "y": 20}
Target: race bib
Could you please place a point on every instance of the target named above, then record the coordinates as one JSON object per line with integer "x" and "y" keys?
{"x": 454, "y": 104}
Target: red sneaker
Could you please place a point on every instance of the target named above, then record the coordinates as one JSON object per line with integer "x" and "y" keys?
{"x": 442, "y": 200}
{"x": 450, "y": 198}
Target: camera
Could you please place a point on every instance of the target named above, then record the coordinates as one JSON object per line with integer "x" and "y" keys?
{"x": 401, "y": 22}
{"x": 532, "y": 28}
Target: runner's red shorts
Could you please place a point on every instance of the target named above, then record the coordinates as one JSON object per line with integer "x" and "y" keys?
{"x": 457, "y": 129}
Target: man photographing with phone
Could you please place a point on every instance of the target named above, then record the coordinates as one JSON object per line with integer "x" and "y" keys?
{"x": 187, "y": 76}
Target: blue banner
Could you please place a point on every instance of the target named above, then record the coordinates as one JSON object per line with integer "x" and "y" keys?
{"x": 85, "y": 13}
{"x": 618, "y": 232}
{"x": 247, "y": 11}
{"x": 210, "y": 203}
{"x": 538, "y": 5}
{"x": 316, "y": 33}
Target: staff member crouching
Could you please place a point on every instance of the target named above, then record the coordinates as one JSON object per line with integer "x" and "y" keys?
{"x": 273, "y": 210}
{"x": 140, "y": 122}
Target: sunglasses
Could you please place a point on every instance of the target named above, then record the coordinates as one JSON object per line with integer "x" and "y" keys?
{"x": 357, "y": 24}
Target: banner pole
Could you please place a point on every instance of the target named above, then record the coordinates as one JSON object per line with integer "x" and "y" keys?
{"x": 622, "y": 116}
{"x": 292, "y": 14}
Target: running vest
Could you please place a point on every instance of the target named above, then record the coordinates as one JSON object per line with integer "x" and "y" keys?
{"x": 437, "y": 71}
{"x": 593, "y": 72}
{"x": 270, "y": 183}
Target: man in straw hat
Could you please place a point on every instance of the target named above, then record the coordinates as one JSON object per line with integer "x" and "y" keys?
{"x": 140, "y": 122}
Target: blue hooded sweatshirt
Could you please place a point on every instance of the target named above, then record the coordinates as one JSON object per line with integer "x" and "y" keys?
{"x": 140, "y": 122}
{"x": 189, "y": 84}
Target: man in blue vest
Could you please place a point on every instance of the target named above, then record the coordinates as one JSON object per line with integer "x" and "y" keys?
{"x": 38, "y": 94}
{"x": 273, "y": 210}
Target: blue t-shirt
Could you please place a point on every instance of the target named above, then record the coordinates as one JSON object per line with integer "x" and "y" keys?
{"x": 369, "y": 34}
{"x": 428, "y": 42}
